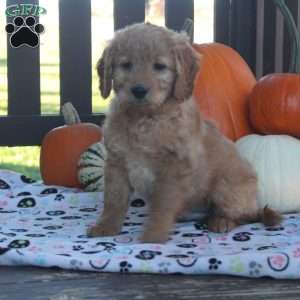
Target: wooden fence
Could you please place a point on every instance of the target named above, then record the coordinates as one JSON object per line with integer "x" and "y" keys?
{"x": 252, "y": 27}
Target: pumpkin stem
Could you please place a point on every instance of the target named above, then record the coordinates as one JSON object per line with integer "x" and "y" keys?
{"x": 293, "y": 34}
{"x": 188, "y": 28}
{"x": 70, "y": 114}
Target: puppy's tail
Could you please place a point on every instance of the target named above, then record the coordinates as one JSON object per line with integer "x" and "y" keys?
{"x": 269, "y": 217}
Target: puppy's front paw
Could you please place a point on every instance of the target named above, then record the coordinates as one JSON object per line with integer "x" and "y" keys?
{"x": 220, "y": 224}
{"x": 154, "y": 237}
{"x": 103, "y": 230}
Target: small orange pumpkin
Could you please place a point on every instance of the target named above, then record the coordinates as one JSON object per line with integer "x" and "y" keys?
{"x": 222, "y": 87}
{"x": 62, "y": 147}
{"x": 275, "y": 100}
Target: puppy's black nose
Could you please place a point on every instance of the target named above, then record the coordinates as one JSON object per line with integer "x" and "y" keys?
{"x": 139, "y": 91}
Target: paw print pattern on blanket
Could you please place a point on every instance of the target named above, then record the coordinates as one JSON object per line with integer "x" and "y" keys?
{"x": 46, "y": 226}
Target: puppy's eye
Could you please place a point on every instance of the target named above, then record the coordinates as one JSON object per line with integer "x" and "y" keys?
{"x": 126, "y": 65}
{"x": 159, "y": 67}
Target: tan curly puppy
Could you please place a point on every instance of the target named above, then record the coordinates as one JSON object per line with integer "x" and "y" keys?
{"x": 158, "y": 144}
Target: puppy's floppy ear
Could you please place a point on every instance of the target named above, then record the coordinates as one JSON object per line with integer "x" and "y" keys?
{"x": 187, "y": 64}
{"x": 105, "y": 72}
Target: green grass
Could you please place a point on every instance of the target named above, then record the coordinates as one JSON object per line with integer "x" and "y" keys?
{"x": 21, "y": 159}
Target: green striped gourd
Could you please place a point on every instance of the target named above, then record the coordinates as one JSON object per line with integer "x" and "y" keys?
{"x": 91, "y": 168}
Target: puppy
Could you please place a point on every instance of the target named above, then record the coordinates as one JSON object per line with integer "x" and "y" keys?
{"x": 158, "y": 144}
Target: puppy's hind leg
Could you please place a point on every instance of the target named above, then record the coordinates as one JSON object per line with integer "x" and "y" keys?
{"x": 116, "y": 195}
{"x": 232, "y": 204}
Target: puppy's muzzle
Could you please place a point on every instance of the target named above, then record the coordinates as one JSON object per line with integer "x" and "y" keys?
{"x": 139, "y": 91}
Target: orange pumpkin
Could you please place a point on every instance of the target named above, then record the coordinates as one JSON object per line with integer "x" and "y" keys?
{"x": 275, "y": 100}
{"x": 62, "y": 147}
{"x": 275, "y": 104}
{"x": 222, "y": 87}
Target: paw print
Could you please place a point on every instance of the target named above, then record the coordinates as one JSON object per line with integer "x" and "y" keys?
{"x": 254, "y": 268}
{"x": 214, "y": 264}
{"x": 27, "y": 202}
{"x": 24, "y": 178}
{"x": 24, "y": 32}
{"x": 18, "y": 244}
{"x": 77, "y": 248}
{"x": 147, "y": 254}
{"x": 242, "y": 236}
{"x": 59, "y": 197}
{"x": 125, "y": 266}
{"x": 138, "y": 203}
{"x": 76, "y": 264}
{"x": 164, "y": 267}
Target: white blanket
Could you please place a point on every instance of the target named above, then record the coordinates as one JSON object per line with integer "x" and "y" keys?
{"x": 46, "y": 226}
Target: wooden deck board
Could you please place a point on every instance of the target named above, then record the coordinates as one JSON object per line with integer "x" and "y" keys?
{"x": 53, "y": 284}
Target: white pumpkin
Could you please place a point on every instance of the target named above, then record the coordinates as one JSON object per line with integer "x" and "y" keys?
{"x": 91, "y": 168}
{"x": 276, "y": 159}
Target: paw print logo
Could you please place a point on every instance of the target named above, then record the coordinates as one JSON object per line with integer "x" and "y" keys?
{"x": 254, "y": 268}
{"x": 125, "y": 266}
{"x": 24, "y": 32}
{"x": 214, "y": 264}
